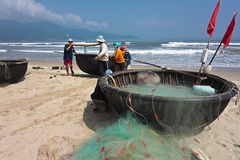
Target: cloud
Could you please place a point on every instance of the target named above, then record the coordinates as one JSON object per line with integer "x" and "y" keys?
{"x": 29, "y": 10}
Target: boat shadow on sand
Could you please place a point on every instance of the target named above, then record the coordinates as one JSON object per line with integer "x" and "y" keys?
{"x": 85, "y": 75}
{"x": 2, "y": 85}
{"x": 98, "y": 120}
{"x": 80, "y": 75}
{"x": 103, "y": 119}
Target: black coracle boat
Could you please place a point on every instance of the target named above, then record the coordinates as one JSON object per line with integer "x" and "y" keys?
{"x": 12, "y": 71}
{"x": 175, "y": 114}
{"x": 87, "y": 64}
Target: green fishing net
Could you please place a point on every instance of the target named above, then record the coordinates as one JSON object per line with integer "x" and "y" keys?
{"x": 127, "y": 139}
{"x": 137, "y": 136}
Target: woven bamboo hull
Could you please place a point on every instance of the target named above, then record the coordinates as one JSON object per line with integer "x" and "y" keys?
{"x": 175, "y": 114}
{"x": 87, "y": 64}
{"x": 17, "y": 70}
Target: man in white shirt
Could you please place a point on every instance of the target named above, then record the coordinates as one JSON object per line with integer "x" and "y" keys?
{"x": 102, "y": 57}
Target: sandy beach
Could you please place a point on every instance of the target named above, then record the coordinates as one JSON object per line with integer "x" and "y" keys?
{"x": 47, "y": 103}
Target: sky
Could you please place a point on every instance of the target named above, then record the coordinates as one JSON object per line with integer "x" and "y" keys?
{"x": 148, "y": 19}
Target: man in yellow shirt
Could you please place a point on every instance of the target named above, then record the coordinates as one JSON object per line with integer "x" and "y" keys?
{"x": 119, "y": 57}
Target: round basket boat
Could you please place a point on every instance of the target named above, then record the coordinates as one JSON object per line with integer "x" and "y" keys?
{"x": 175, "y": 114}
{"x": 12, "y": 70}
{"x": 87, "y": 64}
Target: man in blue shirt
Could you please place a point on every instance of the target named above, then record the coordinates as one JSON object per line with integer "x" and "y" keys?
{"x": 68, "y": 56}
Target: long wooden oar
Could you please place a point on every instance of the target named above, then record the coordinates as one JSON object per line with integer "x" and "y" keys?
{"x": 85, "y": 45}
{"x": 147, "y": 63}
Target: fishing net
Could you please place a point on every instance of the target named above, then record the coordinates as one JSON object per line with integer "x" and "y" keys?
{"x": 173, "y": 105}
{"x": 148, "y": 78}
{"x": 162, "y": 90}
{"x": 149, "y": 83}
{"x": 127, "y": 139}
{"x": 166, "y": 101}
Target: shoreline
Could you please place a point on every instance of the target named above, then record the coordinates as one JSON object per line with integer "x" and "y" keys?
{"x": 142, "y": 65}
{"x": 222, "y": 72}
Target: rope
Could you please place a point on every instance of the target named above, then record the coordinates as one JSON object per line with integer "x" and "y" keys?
{"x": 219, "y": 105}
{"x": 157, "y": 118}
{"x": 135, "y": 113}
{"x": 114, "y": 82}
{"x": 237, "y": 102}
{"x": 6, "y": 70}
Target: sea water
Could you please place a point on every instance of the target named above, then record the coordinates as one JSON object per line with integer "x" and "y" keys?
{"x": 168, "y": 54}
{"x": 161, "y": 90}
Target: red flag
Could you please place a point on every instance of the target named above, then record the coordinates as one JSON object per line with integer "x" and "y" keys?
{"x": 212, "y": 23}
{"x": 228, "y": 35}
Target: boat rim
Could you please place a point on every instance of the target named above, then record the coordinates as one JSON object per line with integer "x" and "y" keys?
{"x": 231, "y": 92}
{"x": 15, "y": 61}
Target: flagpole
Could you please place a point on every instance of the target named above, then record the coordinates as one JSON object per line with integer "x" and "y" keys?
{"x": 210, "y": 30}
{"x": 208, "y": 42}
{"x": 215, "y": 53}
{"x": 227, "y": 36}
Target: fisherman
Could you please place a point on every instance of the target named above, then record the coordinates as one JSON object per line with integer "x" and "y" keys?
{"x": 68, "y": 55}
{"x": 127, "y": 55}
{"x": 119, "y": 57}
{"x": 102, "y": 57}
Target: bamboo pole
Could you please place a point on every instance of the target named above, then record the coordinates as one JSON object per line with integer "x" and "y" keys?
{"x": 85, "y": 44}
{"x": 208, "y": 42}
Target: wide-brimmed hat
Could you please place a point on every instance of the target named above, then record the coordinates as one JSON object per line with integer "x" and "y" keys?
{"x": 70, "y": 40}
{"x": 100, "y": 39}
